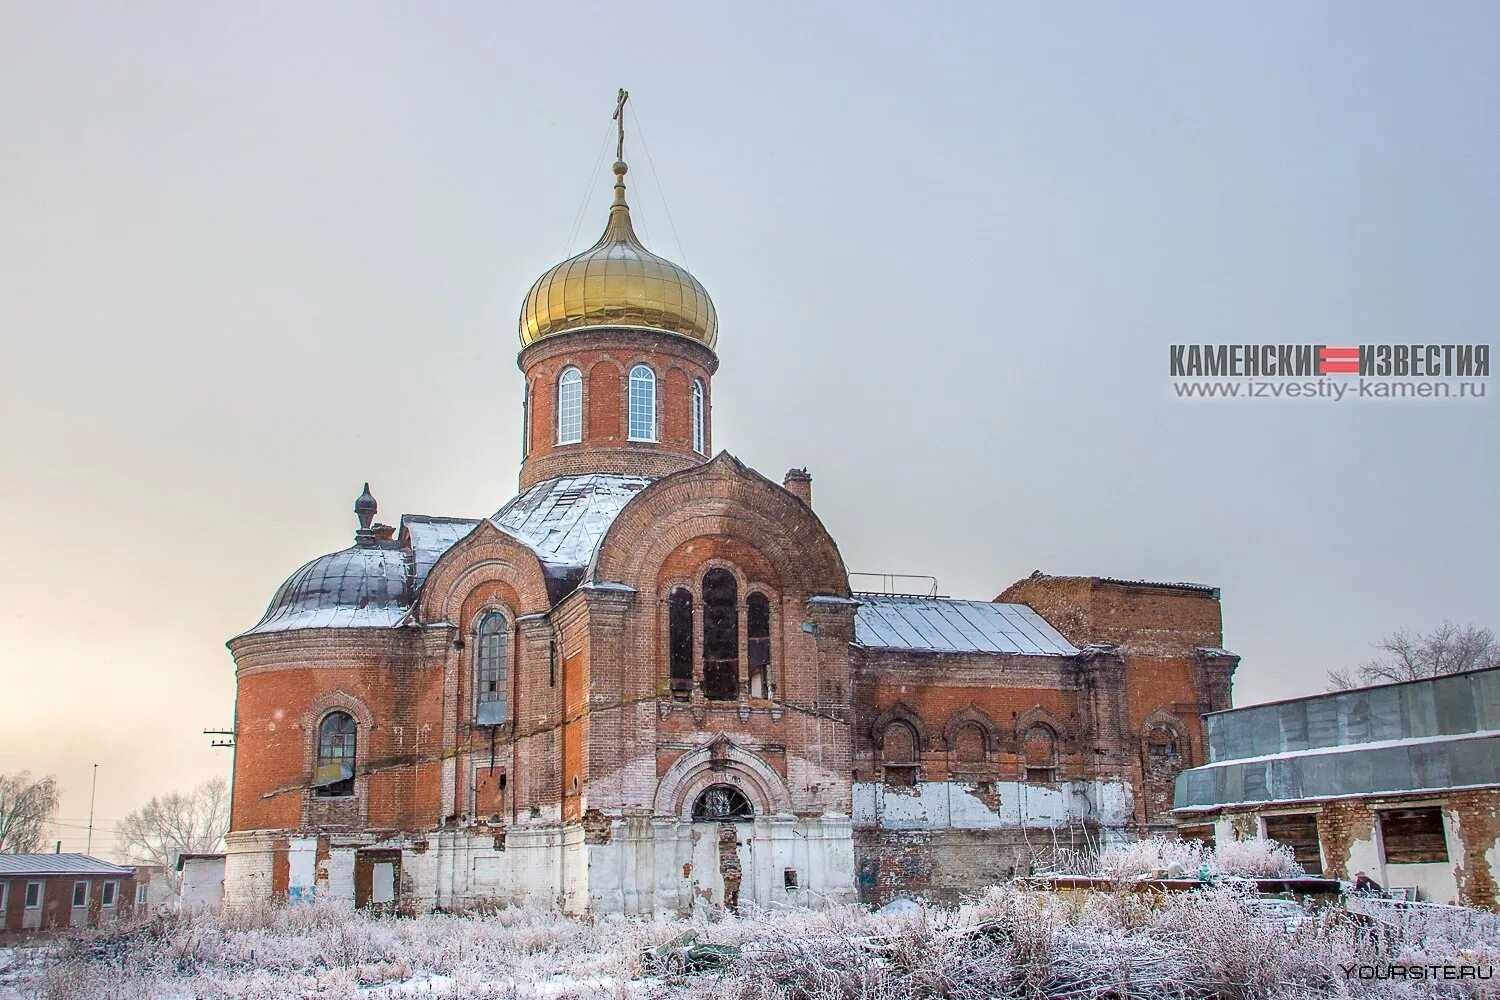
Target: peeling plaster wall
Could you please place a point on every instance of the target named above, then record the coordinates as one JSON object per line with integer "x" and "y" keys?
{"x": 958, "y": 805}
{"x": 647, "y": 865}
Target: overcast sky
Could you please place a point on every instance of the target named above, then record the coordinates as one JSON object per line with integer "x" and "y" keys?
{"x": 252, "y": 255}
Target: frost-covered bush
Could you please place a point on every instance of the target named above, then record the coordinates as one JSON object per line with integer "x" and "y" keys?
{"x": 1256, "y": 858}
{"x": 1009, "y": 942}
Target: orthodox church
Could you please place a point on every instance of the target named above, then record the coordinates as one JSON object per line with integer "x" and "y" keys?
{"x": 644, "y": 684}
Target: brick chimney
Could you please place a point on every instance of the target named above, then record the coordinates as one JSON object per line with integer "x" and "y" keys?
{"x": 799, "y": 483}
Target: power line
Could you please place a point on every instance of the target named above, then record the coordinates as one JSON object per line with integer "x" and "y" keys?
{"x": 681, "y": 251}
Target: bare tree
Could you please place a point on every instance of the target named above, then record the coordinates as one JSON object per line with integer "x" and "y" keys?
{"x": 175, "y": 824}
{"x": 1411, "y": 656}
{"x": 26, "y": 807}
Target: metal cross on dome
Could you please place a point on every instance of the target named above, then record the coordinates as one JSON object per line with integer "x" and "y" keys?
{"x": 619, "y": 116}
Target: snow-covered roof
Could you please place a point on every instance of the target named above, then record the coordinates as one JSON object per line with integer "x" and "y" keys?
{"x": 358, "y": 587}
{"x": 376, "y": 585}
{"x": 943, "y": 625}
{"x": 429, "y": 537}
{"x": 59, "y": 864}
{"x": 563, "y": 520}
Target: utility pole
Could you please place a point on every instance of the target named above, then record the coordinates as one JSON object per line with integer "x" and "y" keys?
{"x": 94, "y": 787}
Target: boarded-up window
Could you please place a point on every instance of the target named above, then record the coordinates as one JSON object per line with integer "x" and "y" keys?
{"x": 680, "y": 642}
{"x": 968, "y": 743}
{"x": 1202, "y": 834}
{"x": 1413, "y": 836}
{"x": 721, "y": 635}
{"x": 1300, "y": 833}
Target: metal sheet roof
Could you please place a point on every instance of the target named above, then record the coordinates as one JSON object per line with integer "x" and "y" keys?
{"x": 356, "y": 588}
{"x": 948, "y": 626}
{"x": 563, "y": 520}
{"x": 429, "y": 538}
{"x": 59, "y": 864}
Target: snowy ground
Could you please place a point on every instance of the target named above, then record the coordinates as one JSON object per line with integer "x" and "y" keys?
{"x": 1007, "y": 943}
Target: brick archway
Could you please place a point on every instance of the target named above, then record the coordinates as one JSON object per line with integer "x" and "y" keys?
{"x": 720, "y": 763}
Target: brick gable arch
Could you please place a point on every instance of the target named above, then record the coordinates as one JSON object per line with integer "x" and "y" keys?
{"x": 725, "y": 499}
{"x": 485, "y": 555}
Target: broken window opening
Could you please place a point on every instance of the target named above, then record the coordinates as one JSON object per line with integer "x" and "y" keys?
{"x": 680, "y": 643}
{"x": 721, "y": 636}
{"x": 789, "y": 879}
{"x": 758, "y": 625}
{"x": 490, "y": 682}
{"x": 334, "y": 775}
{"x": 719, "y": 803}
{"x": 1161, "y": 743}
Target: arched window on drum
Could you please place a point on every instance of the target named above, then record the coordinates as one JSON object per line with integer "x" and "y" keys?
{"x": 333, "y": 776}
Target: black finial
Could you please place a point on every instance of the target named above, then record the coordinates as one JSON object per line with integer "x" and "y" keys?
{"x": 364, "y": 508}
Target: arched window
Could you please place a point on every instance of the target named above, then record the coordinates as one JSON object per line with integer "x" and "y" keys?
{"x": 1039, "y": 749}
{"x": 525, "y": 419}
{"x": 721, "y": 635}
{"x": 758, "y": 643}
{"x": 680, "y": 643}
{"x": 569, "y": 406}
{"x": 968, "y": 743}
{"x": 722, "y": 803}
{"x": 700, "y": 435}
{"x": 642, "y": 404}
{"x": 1161, "y": 744}
{"x": 490, "y": 680}
{"x": 898, "y": 752}
{"x": 334, "y": 775}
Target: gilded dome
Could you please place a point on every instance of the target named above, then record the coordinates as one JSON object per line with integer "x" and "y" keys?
{"x": 618, "y": 282}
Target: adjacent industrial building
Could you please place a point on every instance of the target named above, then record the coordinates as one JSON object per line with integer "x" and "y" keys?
{"x": 1399, "y": 781}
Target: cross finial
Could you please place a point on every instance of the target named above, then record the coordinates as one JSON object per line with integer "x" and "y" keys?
{"x": 620, "y": 117}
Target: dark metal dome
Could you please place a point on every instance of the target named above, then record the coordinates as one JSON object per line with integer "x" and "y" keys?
{"x": 360, "y": 586}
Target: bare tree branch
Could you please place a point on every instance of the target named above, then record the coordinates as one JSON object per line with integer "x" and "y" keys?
{"x": 175, "y": 824}
{"x": 26, "y": 807}
{"x": 1411, "y": 656}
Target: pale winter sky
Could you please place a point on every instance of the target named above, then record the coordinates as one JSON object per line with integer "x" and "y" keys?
{"x": 254, "y": 254}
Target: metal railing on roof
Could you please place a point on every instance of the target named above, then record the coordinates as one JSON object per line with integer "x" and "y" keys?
{"x": 890, "y": 587}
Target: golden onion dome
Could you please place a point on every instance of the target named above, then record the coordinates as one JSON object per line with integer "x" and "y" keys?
{"x": 618, "y": 282}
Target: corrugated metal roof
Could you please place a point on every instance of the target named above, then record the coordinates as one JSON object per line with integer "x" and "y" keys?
{"x": 948, "y": 626}
{"x": 59, "y": 864}
{"x": 564, "y": 519}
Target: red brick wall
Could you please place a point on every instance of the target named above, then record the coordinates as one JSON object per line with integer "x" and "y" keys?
{"x": 605, "y": 358}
